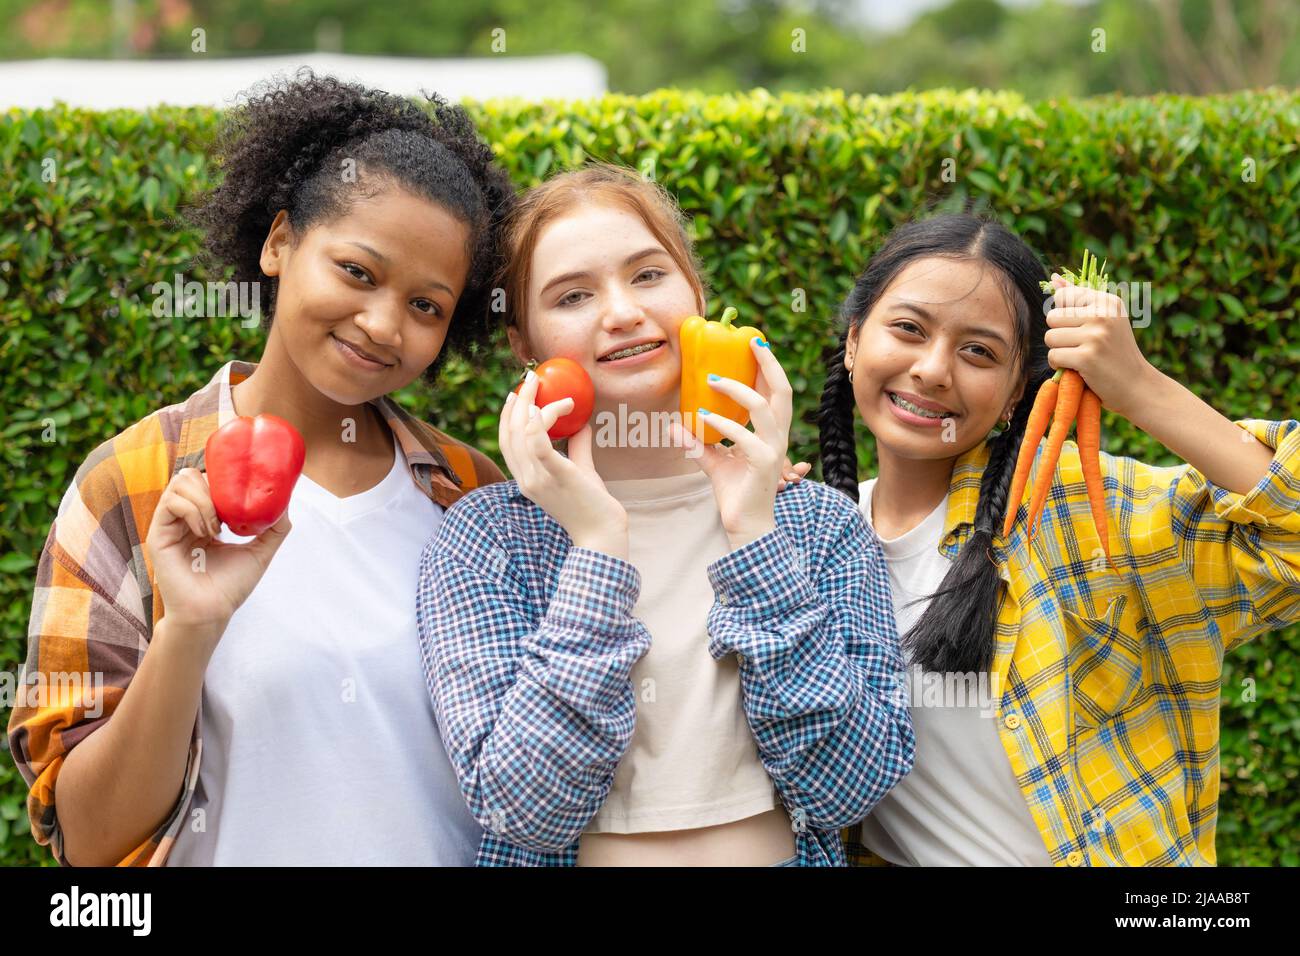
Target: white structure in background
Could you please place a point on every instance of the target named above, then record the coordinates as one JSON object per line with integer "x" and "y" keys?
{"x": 215, "y": 81}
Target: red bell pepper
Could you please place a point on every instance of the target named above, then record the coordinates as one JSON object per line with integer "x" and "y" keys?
{"x": 252, "y": 466}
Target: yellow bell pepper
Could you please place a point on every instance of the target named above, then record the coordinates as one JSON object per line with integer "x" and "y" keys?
{"x": 717, "y": 348}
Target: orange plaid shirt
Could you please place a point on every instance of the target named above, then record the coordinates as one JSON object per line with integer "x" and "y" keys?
{"x": 94, "y": 604}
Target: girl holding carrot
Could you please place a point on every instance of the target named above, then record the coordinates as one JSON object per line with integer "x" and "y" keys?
{"x": 637, "y": 656}
{"x": 1093, "y": 737}
{"x": 241, "y": 674}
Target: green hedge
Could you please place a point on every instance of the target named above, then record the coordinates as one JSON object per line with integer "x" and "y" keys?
{"x": 784, "y": 193}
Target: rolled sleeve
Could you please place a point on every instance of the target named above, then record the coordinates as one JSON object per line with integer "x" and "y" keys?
{"x": 765, "y": 579}
{"x": 813, "y": 627}
{"x": 1241, "y": 552}
{"x": 534, "y": 703}
{"x": 596, "y": 593}
{"x": 75, "y": 629}
{"x": 1274, "y": 503}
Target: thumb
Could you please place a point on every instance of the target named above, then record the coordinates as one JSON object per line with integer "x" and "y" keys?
{"x": 269, "y": 541}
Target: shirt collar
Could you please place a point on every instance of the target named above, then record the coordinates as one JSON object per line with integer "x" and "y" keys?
{"x": 212, "y": 406}
{"x": 963, "y": 496}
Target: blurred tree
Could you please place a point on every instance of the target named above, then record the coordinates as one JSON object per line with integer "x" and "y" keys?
{"x": 1222, "y": 45}
{"x": 967, "y": 19}
{"x": 1048, "y": 49}
{"x": 718, "y": 45}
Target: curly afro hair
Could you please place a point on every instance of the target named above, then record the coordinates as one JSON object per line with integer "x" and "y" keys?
{"x": 283, "y": 146}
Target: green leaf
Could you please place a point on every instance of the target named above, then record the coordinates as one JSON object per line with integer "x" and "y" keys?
{"x": 839, "y": 225}
{"x": 1232, "y": 304}
{"x": 710, "y": 178}
{"x": 14, "y": 563}
{"x": 149, "y": 195}
{"x": 543, "y": 162}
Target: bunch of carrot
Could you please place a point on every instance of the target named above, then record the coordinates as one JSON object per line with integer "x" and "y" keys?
{"x": 1061, "y": 400}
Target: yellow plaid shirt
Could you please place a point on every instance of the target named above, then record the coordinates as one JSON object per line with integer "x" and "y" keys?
{"x": 1110, "y": 681}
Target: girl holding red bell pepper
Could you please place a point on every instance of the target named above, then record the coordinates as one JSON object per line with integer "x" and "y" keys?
{"x": 639, "y": 652}
{"x": 269, "y": 682}
{"x": 1093, "y": 735}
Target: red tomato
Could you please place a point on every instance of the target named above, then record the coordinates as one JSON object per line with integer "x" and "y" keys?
{"x": 252, "y": 466}
{"x": 564, "y": 378}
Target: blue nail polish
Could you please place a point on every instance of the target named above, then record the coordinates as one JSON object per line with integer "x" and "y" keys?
{"x": 763, "y": 343}
{"x": 712, "y": 377}
{"x": 704, "y": 411}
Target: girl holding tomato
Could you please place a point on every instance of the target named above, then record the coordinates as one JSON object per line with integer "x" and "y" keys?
{"x": 243, "y": 674}
{"x": 640, "y": 652}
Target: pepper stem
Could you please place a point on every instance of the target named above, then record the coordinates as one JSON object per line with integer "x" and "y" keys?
{"x": 728, "y": 316}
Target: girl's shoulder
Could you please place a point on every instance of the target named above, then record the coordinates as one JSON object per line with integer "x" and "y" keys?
{"x": 817, "y": 513}
{"x": 132, "y": 466}
{"x": 814, "y": 496}
{"x": 498, "y": 516}
{"x": 109, "y": 504}
{"x": 470, "y": 467}
{"x": 488, "y": 504}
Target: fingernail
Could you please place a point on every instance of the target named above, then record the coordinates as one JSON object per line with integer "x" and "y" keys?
{"x": 530, "y": 375}
{"x": 762, "y": 343}
{"x": 704, "y": 411}
{"x": 712, "y": 377}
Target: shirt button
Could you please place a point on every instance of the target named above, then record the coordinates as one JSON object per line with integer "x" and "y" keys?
{"x": 1075, "y": 858}
{"x": 740, "y": 658}
{"x": 722, "y": 597}
{"x": 1012, "y": 721}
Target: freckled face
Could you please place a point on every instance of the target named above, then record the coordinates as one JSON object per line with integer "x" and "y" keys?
{"x": 601, "y": 282}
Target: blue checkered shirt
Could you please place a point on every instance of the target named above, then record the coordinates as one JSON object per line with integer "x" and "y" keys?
{"x": 528, "y": 644}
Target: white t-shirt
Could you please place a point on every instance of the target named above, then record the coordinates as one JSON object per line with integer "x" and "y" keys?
{"x": 319, "y": 740}
{"x": 960, "y": 805}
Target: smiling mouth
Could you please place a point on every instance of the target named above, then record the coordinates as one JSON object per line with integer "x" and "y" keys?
{"x": 917, "y": 409}
{"x": 357, "y": 352}
{"x": 629, "y": 352}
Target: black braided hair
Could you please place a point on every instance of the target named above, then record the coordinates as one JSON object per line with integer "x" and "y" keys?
{"x": 839, "y": 453}
{"x": 284, "y": 146}
{"x": 955, "y": 634}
